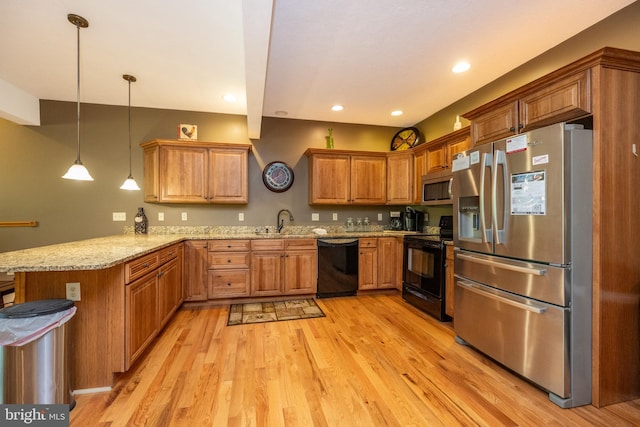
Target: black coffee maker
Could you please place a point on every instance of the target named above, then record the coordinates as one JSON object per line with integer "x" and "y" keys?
{"x": 413, "y": 220}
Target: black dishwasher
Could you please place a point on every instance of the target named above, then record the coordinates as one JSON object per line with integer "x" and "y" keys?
{"x": 337, "y": 267}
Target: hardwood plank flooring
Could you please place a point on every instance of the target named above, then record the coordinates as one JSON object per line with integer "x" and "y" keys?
{"x": 373, "y": 361}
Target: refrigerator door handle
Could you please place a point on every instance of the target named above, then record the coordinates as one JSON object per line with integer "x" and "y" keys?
{"x": 500, "y": 159}
{"x": 502, "y": 299}
{"x": 487, "y": 161}
{"x": 510, "y": 267}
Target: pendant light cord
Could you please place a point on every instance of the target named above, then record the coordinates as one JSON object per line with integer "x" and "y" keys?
{"x": 78, "y": 91}
{"x": 130, "y": 176}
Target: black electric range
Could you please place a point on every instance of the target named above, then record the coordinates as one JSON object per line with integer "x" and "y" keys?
{"x": 424, "y": 270}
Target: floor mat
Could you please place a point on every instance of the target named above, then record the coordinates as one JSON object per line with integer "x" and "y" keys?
{"x": 260, "y": 312}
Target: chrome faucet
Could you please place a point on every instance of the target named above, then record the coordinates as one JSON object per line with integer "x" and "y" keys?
{"x": 279, "y": 222}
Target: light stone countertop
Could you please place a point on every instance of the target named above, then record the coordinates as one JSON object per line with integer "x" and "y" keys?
{"x": 105, "y": 252}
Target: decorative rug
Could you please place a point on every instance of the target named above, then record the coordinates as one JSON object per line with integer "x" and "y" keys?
{"x": 261, "y": 312}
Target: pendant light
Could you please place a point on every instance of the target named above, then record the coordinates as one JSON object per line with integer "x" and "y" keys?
{"x": 77, "y": 171}
{"x": 129, "y": 183}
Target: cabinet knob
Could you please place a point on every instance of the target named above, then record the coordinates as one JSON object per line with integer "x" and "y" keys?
{"x": 228, "y": 260}
{"x": 520, "y": 126}
{"x": 512, "y": 129}
{"x": 228, "y": 284}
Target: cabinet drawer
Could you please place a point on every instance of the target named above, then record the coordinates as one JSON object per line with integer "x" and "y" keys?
{"x": 140, "y": 266}
{"x": 220, "y": 260}
{"x": 302, "y": 244}
{"x": 228, "y": 283}
{"x": 228, "y": 245}
{"x": 367, "y": 242}
{"x": 267, "y": 245}
{"x": 167, "y": 254}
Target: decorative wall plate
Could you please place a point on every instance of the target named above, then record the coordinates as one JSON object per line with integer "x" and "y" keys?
{"x": 277, "y": 176}
{"x": 406, "y": 138}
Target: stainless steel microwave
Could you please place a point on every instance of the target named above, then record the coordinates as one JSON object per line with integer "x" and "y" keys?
{"x": 436, "y": 189}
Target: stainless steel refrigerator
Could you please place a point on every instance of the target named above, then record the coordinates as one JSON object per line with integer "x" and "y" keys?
{"x": 522, "y": 234}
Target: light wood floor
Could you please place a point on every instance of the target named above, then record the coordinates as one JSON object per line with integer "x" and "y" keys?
{"x": 373, "y": 361}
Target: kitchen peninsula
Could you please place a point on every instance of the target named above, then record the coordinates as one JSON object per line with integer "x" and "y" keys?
{"x": 130, "y": 287}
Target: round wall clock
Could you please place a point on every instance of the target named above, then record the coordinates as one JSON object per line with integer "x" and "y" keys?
{"x": 277, "y": 176}
{"x": 405, "y": 138}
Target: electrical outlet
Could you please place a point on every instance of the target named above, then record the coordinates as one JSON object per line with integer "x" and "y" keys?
{"x": 379, "y": 217}
{"x": 241, "y": 216}
{"x": 119, "y": 216}
{"x": 160, "y": 216}
{"x": 184, "y": 216}
{"x": 73, "y": 291}
{"x": 335, "y": 216}
{"x": 315, "y": 217}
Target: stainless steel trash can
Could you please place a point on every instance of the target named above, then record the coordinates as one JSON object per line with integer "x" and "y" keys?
{"x": 38, "y": 372}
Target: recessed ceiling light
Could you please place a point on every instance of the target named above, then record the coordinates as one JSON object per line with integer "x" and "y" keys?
{"x": 396, "y": 113}
{"x": 337, "y": 108}
{"x": 229, "y": 98}
{"x": 461, "y": 67}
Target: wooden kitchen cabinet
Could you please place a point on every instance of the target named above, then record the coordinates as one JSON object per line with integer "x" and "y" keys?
{"x": 400, "y": 178}
{"x": 378, "y": 263}
{"x": 300, "y": 266}
{"x": 283, "y": 267}
{"x": 339, "y": 177}
{"x": 450, "y": 281}
{"x": 369, "y": 179}
{"x": 170, "y": 287}
{"x": 419, "y": 169}
{"x": 195, "y": 270}
{"x": 441, "y": 152}
{"x": 151, "y": 299}
{"x": 367, "y": 263}
{"x": 562, "y": 97}
{"x": 388, "y": 264}
{"x": 142, "y": 325}
{"x": 228, "y": 268}
{"x": 180, "y": 172}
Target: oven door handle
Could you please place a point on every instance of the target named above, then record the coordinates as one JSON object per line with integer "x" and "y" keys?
{"x": 502, "y": 299}
{"x": 517, "y": 268}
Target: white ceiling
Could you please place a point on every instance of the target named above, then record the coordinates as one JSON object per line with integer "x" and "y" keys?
{"x": 301, "y": 57}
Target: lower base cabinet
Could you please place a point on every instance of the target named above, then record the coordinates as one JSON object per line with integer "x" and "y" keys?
{"x": 283, "y": 267}
{"x": 379, "y": 263}
{"x": 151, "y": 298}
{"x": 235, "y": 268}
{"x": 195, "y": 270}
{"x": 450, "y": 282}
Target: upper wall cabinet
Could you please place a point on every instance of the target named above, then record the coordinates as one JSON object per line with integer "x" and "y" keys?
{"x": 341, "y": 177}
{"x": 187, "y": 172}
{"x": 437, "y": 156}
{"x": 560, "y": 98}
{"x": 400, "y": 177}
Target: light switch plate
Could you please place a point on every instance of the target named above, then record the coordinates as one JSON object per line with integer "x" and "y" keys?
{"x": 315, "y": 217}
{"x": 119, "y": 216}
{"x": 379, "y": 217}
{"x": 184, "y": 216}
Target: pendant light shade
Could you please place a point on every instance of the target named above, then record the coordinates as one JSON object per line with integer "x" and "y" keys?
{"x": 129, "y": 183}
{"x": 77, "y": 171}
